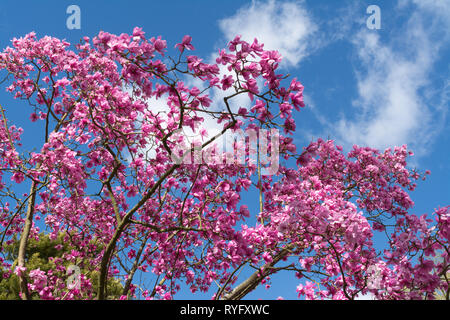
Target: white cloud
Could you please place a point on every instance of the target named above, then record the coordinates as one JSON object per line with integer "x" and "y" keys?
{"x": 286, "y": 27}
{"x": 388, "y": 97}
{"x": 393, "y": 105}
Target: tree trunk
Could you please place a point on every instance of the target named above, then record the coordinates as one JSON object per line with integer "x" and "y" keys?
{"x": 24, "y": 240}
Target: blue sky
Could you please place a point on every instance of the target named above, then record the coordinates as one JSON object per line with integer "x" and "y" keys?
{"x": 380, "y": 88}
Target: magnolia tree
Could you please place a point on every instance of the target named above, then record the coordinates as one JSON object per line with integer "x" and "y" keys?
{"x": 117, "y": 178}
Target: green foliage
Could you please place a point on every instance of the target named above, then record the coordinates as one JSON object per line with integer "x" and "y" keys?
{"x": 9, "y": 287}
{"x": 40, "y": 254}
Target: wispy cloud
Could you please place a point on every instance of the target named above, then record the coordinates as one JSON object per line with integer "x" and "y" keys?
{"x": 395, "y": 95}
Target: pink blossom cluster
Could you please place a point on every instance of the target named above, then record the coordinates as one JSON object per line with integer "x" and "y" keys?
{"x": 124, "y": 212}
{"x": 330, "y": 208}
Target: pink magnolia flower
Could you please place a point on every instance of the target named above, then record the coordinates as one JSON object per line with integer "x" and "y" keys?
{"x": 19, "y": 270}
{"x": 185, "y": 44}
{"x": 160, "y": 45}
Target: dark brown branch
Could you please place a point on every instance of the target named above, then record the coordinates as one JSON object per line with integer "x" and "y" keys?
{"x": 255, "y": 279}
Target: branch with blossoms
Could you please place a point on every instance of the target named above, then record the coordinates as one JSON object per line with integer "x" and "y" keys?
{"x": 116, "y": 177}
